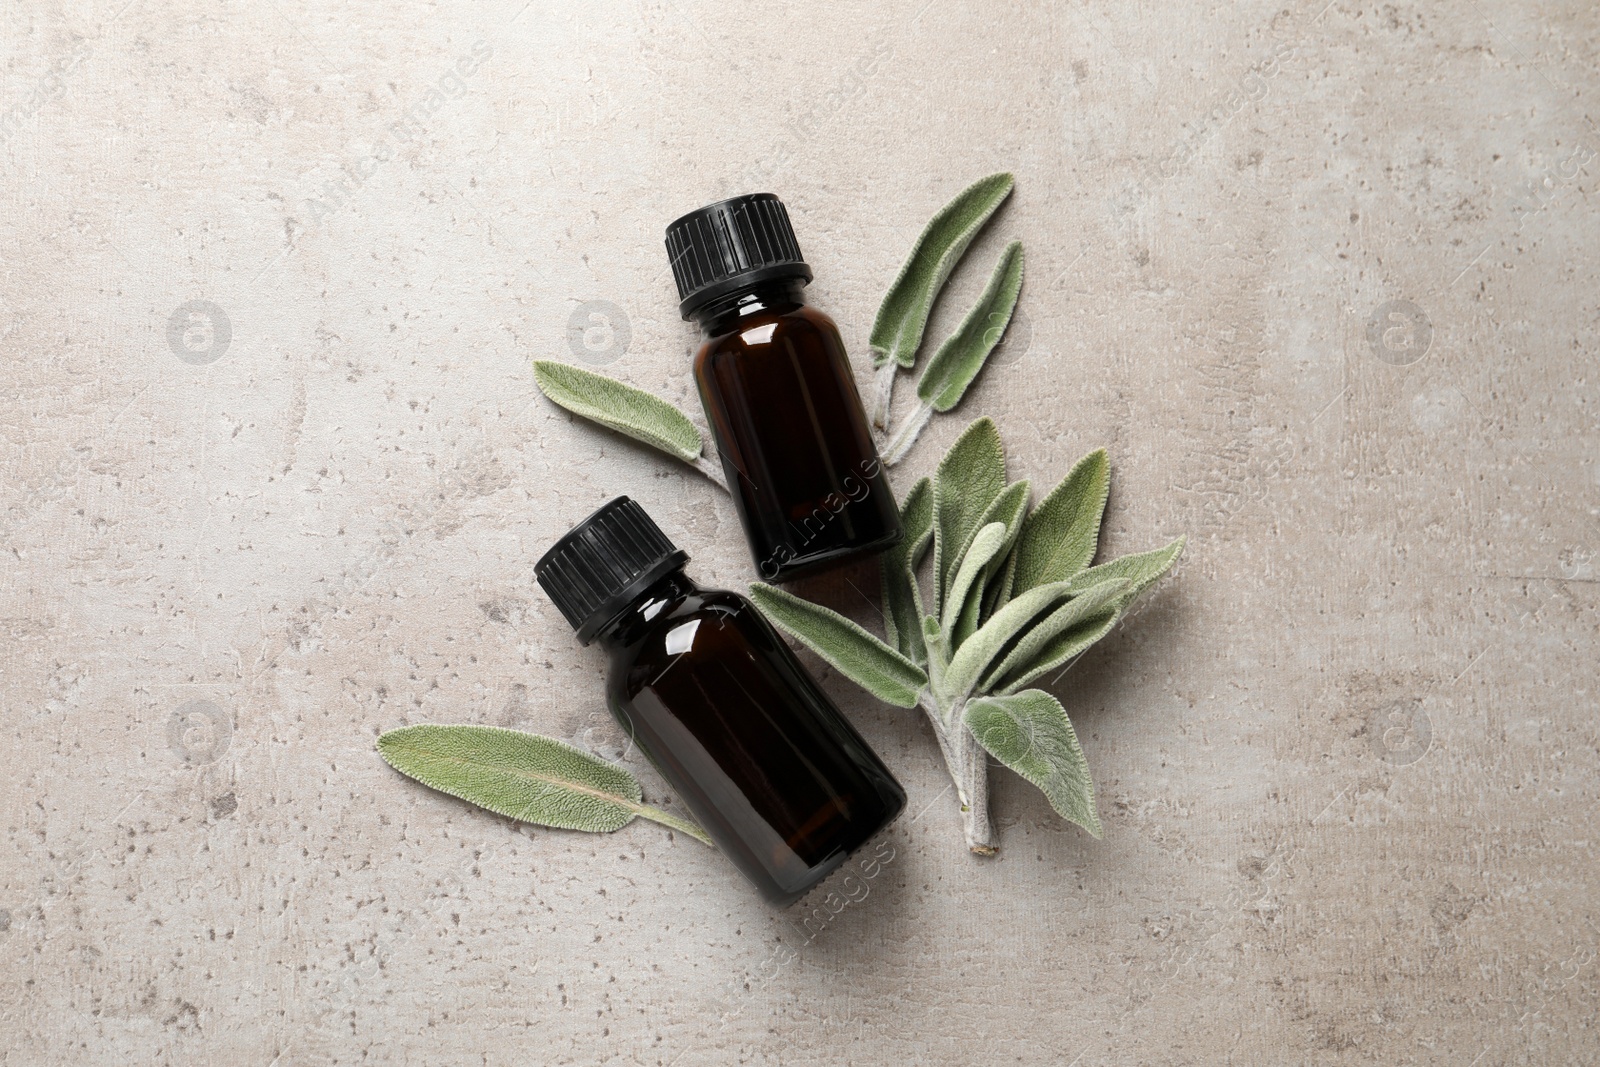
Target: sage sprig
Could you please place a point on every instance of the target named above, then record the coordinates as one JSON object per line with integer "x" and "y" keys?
{"x": 958, "y": 360}
{"x": 1013, "y": 597}
{"x": 525, "y": 776}
{"x": 903, "y": 316}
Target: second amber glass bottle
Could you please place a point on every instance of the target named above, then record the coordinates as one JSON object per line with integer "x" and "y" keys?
{"x": 779, "y": 392}
{"x": 777, "y": 776}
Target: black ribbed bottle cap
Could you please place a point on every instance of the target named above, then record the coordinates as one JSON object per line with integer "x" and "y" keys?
{"x": 604, "y": 563}
{"x": 730, "y": 244}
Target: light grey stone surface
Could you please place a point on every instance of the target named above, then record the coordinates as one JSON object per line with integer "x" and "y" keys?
{"x": 1346, "y": 756}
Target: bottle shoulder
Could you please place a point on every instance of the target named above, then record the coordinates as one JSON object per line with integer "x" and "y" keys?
{"x": 762, "y": 329}
{"x": 674, "y": 630}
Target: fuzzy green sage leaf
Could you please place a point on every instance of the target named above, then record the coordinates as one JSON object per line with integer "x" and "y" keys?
{"x": 1064, "y": 646}
{"x": 1030, "y": 733}
{"x": 1141, "y": 569}
{"x": 1059, "y": 536}
{"x": 852, "y": 651}
{"x": 1087, "y": 607}
{"x": 902, "y": 602}
{"x": 620, "y": 407}
{"x": 986, "y": 545}
{"x": 969, "y": 661}
{"x": 1008, "y": 509}
{"x": 969, "y": 479}
{"x": 960, "y": 358}
{"x": 524, "y": 776}
{"x": 903, "y": 316}
{"x": 962, "y": 355}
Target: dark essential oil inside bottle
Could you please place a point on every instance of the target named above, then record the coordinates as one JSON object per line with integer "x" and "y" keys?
{"x": 781, "y": 781}
{"x": 779, "y": 392}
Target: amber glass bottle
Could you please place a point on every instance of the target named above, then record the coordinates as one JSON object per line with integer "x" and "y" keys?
{"x": 769, "y": 767}
{"x": 778, "y": 392}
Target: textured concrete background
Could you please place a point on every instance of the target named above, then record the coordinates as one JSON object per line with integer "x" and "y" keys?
{"x": 275, "y": 474}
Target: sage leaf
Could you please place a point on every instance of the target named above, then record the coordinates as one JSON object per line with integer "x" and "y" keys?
{"x": 1008, "y": 509}
{"x": 986, "y": 544}
{"x": 998, "y": 591}
{"x": 524, "y": 776}
{"x": 1069, "y": 643}
{"x": 1141, "y": 569}
{"x": 969, "y": 661}
{"x": 903, "y": 316}
{"x": 1030, "y": 733}
{"x": 959, "y": 359}
{"x": 938, "y": 657}
{"x": 1087, "y": 605}
{"x": 620, "y": 407}
{"x": 1059, "y": 537}
{"x": 969, "y": 478}
{"x": 902, "y": 600}
{"x": 852, "y": 651}
{"x": 961, "y": 356}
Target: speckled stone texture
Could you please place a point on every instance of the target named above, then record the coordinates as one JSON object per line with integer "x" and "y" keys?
{"x": 1320, "y": 276}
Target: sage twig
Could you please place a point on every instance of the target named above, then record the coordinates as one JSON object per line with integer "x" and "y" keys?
{"x": 958, "y": 360}
{"x": 1013, "y": 598}
{"x": 903, "y": 316}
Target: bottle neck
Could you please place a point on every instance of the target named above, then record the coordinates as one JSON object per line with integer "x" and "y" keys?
{"x": 723, "y": 314}
{"x": 639, "y": 616}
